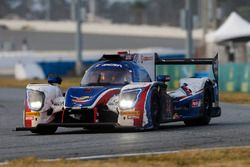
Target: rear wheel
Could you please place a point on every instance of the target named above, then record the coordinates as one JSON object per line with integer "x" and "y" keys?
{"x": 206, "y": 105}
{"x": 155, "y": 109}
{"x": 45, "y": 130}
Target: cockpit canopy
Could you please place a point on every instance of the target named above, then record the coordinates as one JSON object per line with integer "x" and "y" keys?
{"x": 107, "y": 76}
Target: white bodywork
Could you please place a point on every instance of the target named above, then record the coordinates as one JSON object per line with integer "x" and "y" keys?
{"x": 125, "y": 117}
{"x": 53, "y": 99}
{"x": 148, "y": 62}
{"x": 135, "y": 85}
{"x": 195, "y": 84}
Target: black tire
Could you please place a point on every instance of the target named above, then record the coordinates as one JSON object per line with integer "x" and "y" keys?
{"x": 155, "y": 109}
{"x": 206, "y": 105}
{"x": 45, "y": 130}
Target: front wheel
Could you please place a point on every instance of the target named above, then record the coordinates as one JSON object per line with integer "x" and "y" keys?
{"x": 45, "y": 130}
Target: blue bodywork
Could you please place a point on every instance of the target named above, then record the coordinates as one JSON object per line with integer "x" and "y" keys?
{"x": 85, "y": 96}
{"x": 185, "y": 109}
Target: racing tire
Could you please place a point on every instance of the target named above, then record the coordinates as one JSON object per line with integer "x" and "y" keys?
{"x": 45, "y": 130}
{"x": 205, "y": 118}
{"x": 155, "y": 109}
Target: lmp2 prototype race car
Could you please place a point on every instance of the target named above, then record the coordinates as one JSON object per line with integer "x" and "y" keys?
{"x": 120, "y": 90}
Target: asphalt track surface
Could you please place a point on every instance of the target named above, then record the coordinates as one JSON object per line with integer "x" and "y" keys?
{"x": 46, "y": 41}
{"x": 231, "y": 129}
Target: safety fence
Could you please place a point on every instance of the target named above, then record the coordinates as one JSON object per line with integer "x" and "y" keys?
{"x": 232, "y": 77}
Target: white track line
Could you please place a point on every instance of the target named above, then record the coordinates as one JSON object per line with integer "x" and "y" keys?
{"x": 120, "y": 155}
{"x": 145, "y": 154}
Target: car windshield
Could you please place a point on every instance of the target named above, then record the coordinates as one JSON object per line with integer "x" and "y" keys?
{"x": 106, "y": 76}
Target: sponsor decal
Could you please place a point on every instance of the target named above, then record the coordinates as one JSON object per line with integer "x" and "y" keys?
{"x": 147, "y": 58}
{"x": 82, "y": 99}
{"x": 32, "y": 114}
{"x": 29, "y": 118}
{"x": 130, "y": 113}
{"x": 196, "y": 103}
{"x": 133, "y": 117}
{"x": 111, "y": 65}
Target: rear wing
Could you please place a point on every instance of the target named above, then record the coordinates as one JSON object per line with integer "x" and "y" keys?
{"x": 191, "y": 61}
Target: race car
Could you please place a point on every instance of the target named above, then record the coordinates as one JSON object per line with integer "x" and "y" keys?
{"x": 121, "y": 90}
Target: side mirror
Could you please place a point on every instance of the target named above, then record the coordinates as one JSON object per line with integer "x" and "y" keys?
{"x": 54, "y": 80}
{"x": 163, "y": 78}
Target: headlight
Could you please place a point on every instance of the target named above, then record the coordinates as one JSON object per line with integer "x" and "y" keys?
{"x": 35, "y": 105}
{"x": 35, "y": 99}
{"x": 128, "y": 99}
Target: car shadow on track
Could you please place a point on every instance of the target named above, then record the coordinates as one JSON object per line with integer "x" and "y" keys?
{"x": 117, "y": 130}
{"x": 165, "y": 127}
{"x": 65, "y": 131}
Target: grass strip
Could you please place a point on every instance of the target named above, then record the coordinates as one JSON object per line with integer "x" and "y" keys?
{"x": 196, "y": 158}
{"x": 230, "y": 97}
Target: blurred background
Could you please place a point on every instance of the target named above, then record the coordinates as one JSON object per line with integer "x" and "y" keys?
{"x": 63, "y": 37}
